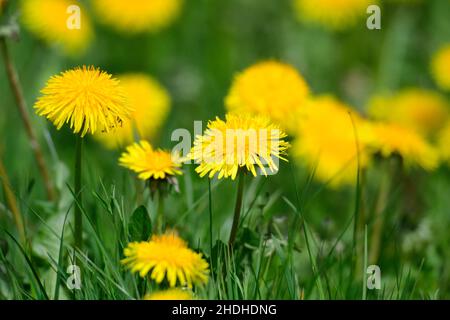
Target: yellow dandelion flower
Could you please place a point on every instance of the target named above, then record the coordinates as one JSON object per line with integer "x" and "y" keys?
{"x": 444, "y": 144}
{"x": 270, "y": 88}
{"x": 167, "y": 256}
{"x": 151, "y": 104}
{"x": 136, "y": 16}
{"x": 49, "y": 20}
{"x": 393, "y": 139}
{"x": 170, "y": 294}
{"x": 328, "y": 141}
{"x": 88, "y": 99}
{"x": 149, "y": 163}
{"x": 332, "y": 14}
{"x": 440, "y": 67}
{"x": 418, "y": 109}
{"x": 241, "y": 142}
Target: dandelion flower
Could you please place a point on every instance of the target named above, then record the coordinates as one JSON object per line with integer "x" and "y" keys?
{"x": 88, "y": 99}
{"x": 393, "y": 139}
{"x": 422, "y": 110}
{"x": 271, "y": 89}
{"x": 2, "y": 5}
{"x": 440, "y": 67}
{"x": 327, "y": 141}
{"x": 149, "y": 163}
{"x": 241, "y": 142}
{"x": 136, "y": 16}
{"x": 170, "y": 294}
{"x": 151, "y": 104}
{"x": 444, "y": 144}
{"x": 167, "y": 256}
{"x": 332, "y": 14}
{"x": 48, "y": 20}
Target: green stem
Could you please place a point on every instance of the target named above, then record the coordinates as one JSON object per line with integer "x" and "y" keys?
{"x": 160, "y": 213}
{"x": 79, "y": 199}
{"x": 379, "y": 212}
{"x": 210, "y": 219}
{"x": 237, "y": 209}
{"x": 361, "y": 222}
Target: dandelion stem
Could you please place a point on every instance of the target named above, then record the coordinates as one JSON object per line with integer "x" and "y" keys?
{"x": 237, "y": 209}
{"x": 379, "y": 212}
{"x": 160, "y": 213}
{"x": 21, "y": 105}
{"x": 78, "y": 195}
{"x": 210, "y": 219}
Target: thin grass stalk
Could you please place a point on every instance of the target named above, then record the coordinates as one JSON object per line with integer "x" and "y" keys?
{"x": 364, "y": 284}
{"x": 16, "y": 87}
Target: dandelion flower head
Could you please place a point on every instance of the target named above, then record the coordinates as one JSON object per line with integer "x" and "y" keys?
{"x": 49, "y": 21}
{"x": 332, "y": 14}
{"x": 271, "y": 89}
{"x": 421, "y": 110}
{"x": 330, "y": 135}
{"x": 440, "y": 67}
{"x": 168, "y": 257}
{"x": 170, "y": 294}
{"x": 393, "y": 139}
{"x": 137, "y": 16}
{"x": 240, "y": 142}
{"x": 444, "y": 144}
{"x": 151, "y": 104}
{"x": 86, "y": 98}
{"x": 149, "y": 163}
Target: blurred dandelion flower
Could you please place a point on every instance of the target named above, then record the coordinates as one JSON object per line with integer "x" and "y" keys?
{"x": 136, "y": 16}
{"x": 167, "y": 256}
{"x": 48, "y": 19}
{"x": 270, "y": 89}
{"x": 440, "y": 67}
{"x": 422, "y": 110}
{"x": 444, "y": 143}
{"x": 327, "y": 141}
{"x": 151, "y": 104}
{"x": 170, "y": 294}
{"x": 332, "y": 14}
{"x": 393, "y": 139}
{"x": 88, "y": 99}
{"x": 2, "y": 5}
{"x": 149, "y": 163}
{"x": 241, "y": 142}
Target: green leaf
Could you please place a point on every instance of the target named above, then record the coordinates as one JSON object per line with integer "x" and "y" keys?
{"x": 140, "y": 226}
